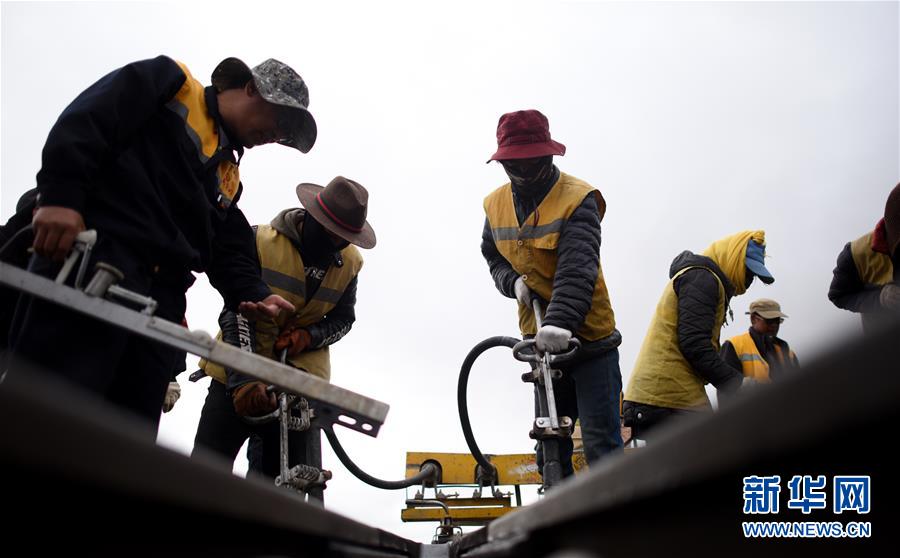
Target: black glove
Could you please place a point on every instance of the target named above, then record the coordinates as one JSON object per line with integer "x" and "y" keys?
{"x": 238, "y": 332}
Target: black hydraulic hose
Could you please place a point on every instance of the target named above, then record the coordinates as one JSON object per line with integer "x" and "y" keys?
{"x": 15, "y": 238}
{"x": 462, "y": 389}
{"x": 428, "y": 471}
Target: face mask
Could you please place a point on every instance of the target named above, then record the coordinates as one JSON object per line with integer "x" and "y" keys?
{"x": 316, "y": 242}
{"x": 339, "y": 243}
{"x": 527, "y": 175}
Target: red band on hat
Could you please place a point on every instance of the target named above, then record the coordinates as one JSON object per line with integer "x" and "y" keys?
{"x": 334, "y": 217}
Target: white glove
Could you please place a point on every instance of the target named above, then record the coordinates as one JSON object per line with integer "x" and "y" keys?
{"x": 523, "y": 293}
{"x": 172, "y": 395}
{"x": 748, "y": 382}
{"x": 552, "y": 339}
{"x": 890, "y": 296}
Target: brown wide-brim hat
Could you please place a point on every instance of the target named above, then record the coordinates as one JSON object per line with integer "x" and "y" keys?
{"x": 341, "y": 208}
{"x": 278, "y": 84}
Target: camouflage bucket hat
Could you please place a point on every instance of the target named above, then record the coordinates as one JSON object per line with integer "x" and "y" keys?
{"x": 278, "y": 84}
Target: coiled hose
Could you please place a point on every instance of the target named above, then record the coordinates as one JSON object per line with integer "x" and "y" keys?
{"x": 428, "y": 471}
{"x": 462, "y": 399}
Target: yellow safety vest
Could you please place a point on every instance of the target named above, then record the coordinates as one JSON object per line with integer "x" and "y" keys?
{"x": 661, "y": 375}
{"x": 283, "y": 271}
{"x": 190, "y": 104}
{"x": 531, "y": 249}
{"x": 752, "y": 362}
{"x": 873, "y": 267}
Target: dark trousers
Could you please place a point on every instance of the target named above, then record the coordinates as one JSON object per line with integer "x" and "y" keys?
{"x": 588, "y": 390}
{"x": 222, "y": 431}
{"x": 125, "y": 369}
{"x": 644, "y": 419}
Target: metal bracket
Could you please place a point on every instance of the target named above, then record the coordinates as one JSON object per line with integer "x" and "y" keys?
{"x": 303, "y": 478}
{"x": 148, "y": 304}
{"x": 447, "y": 531}
{"x": 300, "y": 414}
{"x": 485, "y": 477}
{"x": 535, "y": 376}
{"x": 543, "y": 428}
{"x": 333, "y": 404}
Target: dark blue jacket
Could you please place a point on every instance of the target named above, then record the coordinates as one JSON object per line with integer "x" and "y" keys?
{"x": 123, "y": 158}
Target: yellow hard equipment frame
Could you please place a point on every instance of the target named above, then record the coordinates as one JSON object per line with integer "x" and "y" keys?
{"x": 459, "y": 470}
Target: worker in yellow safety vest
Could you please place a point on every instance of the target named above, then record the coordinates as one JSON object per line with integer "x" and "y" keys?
{"x": 680, "y": 353}
{"x": 867, "y": 279}
{"x": 759, "y": 352}
{"x": 308, "y": 256}
{"x": 541, "y": 238}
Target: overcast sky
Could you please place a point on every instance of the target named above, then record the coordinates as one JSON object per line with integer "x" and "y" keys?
{"x": 695, "y": 120}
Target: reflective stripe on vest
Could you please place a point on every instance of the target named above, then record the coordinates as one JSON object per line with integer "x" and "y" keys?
{"x": 753, "y": 364}
{"x": 661, "y": 375}
{"x": 873, "y": 267}
{"x": 190, "y": 104}
{"x": 284, "y": 282}
{"x": 531, "y": 249}
{"x": 282, "y": 265}
{"x": 284, "y": 272}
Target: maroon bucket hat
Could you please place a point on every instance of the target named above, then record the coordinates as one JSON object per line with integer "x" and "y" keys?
{"x": 341, "y": 208}
{"x": 525, "y": 134}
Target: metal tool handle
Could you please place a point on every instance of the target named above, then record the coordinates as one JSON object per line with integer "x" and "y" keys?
{"x": 525, "y": 351}
{"x": 534, "y": 356}
{"x": 264, "y": 419}
{"x": 80, "y": 246}
{"x": 538, "y": 312}
{"x": 276, "y": 414}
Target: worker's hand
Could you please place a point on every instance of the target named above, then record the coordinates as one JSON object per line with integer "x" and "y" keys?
{"x": 552, "y": 339}
{"x": 523, "y": 293}
{"x": 173, "y": 393}
{"x": 268, "y": 307}
{"x": 55, "y": 228}
{"x": 727, "y": 389}
{"x": 252, "y": 400}
{"x": 294, "y": 339}
{"x": 890, "y": 296}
